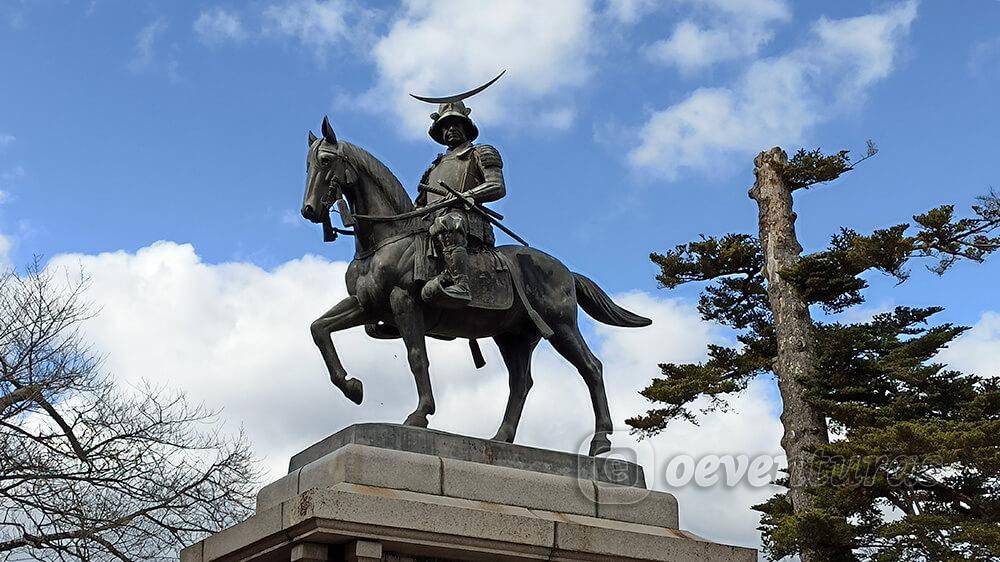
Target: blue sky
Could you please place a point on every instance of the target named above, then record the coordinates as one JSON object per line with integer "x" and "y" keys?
{"x": 626, "y": 127}
{"x": 130, "y": 126}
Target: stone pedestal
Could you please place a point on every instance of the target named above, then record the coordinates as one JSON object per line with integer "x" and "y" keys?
{"x": 376, "y": 492}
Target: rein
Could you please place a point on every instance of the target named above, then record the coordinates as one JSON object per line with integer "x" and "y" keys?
{"x": 394, "y": 238}
{"x": 409, "y": 214}
{"x": 335, "y": 194}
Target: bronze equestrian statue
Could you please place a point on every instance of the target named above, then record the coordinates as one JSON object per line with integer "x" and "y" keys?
{"x": 432, "y": 269}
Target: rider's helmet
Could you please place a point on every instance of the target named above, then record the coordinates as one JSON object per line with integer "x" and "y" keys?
{"x": 448, "y": 112}
{"x": 452, "y": 107}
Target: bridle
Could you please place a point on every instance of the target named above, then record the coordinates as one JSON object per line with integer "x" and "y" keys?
{"x": 335, "y": 195}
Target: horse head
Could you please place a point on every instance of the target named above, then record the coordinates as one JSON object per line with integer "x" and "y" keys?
{"x": 328, "y": 174}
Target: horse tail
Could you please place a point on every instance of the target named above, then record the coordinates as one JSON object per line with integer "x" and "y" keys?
{"x": 596, "y": 303}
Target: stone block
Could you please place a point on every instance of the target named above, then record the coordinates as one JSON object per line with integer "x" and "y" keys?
{"x": 371, "y": 466}
{"x": 363, "y": 551}
{"x": 616, "y": 471}
{"x": 474, "y": 449}
{"x": 618, "y": 540}
{"x": 266, "y": 523}
{"x": 501, "y": 485}
{"x": 194, "y": 553}
{"x": 636, "y": 505}
{"x": 428, "y": 494}
{"x": 282, "y": 489}
{"x": 461, "y": 519}
{"x": 310, "y": 552}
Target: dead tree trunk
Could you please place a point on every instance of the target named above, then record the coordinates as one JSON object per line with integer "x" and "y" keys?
{"x": 803, "y": 424}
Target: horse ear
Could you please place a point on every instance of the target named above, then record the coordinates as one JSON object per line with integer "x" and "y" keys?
{"x": 312, "y": 138}
{"x": 328, "y": 133}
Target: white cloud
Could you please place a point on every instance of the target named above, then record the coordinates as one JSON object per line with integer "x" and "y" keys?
{"x": 219, "y": 25}
{"x": 445, "y": 47}
{"x": 984, "y": 58}
{"x": 776, "y": 100}
{"x": 978, "y": 350}
{"x": 17, "y": 172}
{"x": 863, "y": 313}
{"x": 6, "y": 178}
{"x": 5, "y": 246}
{"x": 733, "y": 30}
{"x": 236, "y": 336}
{"x": 629, "y": 11}
{"x": 145, "y": 45}
{"x": 321, "y": 25}
{"x": 6, "y": 140}
{"x": 6, "y": 242}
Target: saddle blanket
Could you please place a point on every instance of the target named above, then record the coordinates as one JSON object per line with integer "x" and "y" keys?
{"x": 489, "y": 281}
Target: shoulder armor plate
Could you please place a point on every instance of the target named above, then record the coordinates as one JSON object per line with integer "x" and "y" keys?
{"x": 489, "y": 157}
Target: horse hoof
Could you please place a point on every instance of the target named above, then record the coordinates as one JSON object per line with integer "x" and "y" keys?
{"x": 503, "y": 436}
{"x": 416, "y": 420}
{"x": 354, "y": 390}
{"x": 599, "y": 446}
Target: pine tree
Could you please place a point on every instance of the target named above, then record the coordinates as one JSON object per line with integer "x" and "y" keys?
{"x": 914, "y": 470}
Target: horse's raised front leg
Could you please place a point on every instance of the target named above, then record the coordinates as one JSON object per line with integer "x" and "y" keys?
{"x": 346, "y": 314}
{"x": 409, "y": 316}
{"x": 516, "y": 350}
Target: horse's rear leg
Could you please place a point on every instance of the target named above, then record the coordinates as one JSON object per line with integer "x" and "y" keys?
{"x": 409, "y": 316}
{"x": 345, "y": 314}
{"x": 516, "y": 350}
{"x": 571, "y": 345}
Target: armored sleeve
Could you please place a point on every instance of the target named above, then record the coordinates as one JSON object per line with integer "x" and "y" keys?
{"x": 489, "y": 157}
{"x": 491, "y": 166}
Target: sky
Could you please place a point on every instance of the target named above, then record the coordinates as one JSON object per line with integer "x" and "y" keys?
{"x": 161, "y": 145}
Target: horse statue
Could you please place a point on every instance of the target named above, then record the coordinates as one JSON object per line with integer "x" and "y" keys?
{"x": 385, "y": 292}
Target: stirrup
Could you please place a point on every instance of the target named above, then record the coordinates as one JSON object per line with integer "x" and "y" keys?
{"x": 451, "y": 296}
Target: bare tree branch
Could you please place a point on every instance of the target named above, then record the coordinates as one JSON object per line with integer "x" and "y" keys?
{"x": 89, "y": 471}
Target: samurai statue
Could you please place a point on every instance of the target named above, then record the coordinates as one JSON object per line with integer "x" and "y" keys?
{"x": 474, "y": 172}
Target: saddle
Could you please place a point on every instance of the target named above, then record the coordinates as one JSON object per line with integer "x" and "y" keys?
{"x": 490, "y": 281}
{"x": 489, "y": 277}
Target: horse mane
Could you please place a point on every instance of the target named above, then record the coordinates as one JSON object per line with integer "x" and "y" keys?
{"x": 392, "y": 190}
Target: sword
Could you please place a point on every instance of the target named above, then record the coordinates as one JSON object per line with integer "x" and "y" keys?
{"x": 439, "y": 191}
{"x": 486, "y": 213}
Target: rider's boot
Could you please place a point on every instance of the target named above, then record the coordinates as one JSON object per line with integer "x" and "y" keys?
{"x": 451, "y": 288}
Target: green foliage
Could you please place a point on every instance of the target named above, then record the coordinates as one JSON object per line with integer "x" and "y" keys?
{"x": 733, "y": 254}
{"x": 787, "y": 533}
{"x": 917, "y": 439}
{"x": 736, "y": 298}
{"x": 915, "y": 471}
{"x": 831, "y": 277}
{"x": 728, "y": 370}
{"x": 809, "y": 167}
{"x": 951, "y": 240}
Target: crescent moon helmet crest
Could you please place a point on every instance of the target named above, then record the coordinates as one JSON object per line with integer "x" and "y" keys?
{"x": 459, "y": 97}
{"x": 452, "y": 108}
